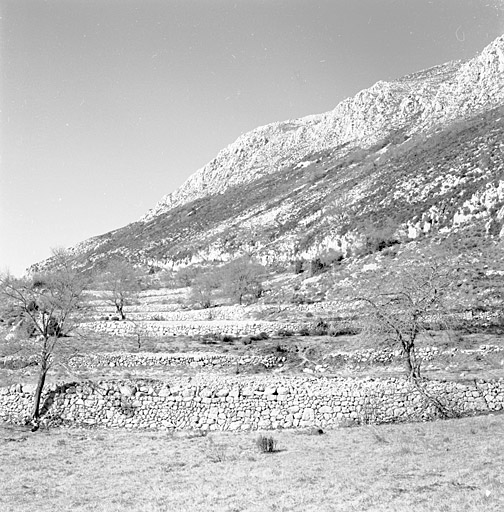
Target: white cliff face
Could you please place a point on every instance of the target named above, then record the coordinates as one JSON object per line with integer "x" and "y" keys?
{"x": 416, "y": 102}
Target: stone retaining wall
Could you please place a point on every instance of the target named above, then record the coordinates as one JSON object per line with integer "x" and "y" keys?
{"x": 211, "y": 359}
{"x": 219, "y": 403}
{"x": 424, "y": 353}
{"x": 173, "y": 313}
{"x": 193, "y": 328}
{"x": 194, "y": 360}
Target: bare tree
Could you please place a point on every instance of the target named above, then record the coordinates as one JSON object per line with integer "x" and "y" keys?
{"x": 405, "y": 306}
{"x": 242, "y": 280}
{"x": 122, "y": 282}
{"x": 51, "y": 302}
{"x": 204, "y": 288}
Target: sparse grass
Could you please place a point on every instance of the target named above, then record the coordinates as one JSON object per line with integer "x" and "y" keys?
{"x": 447, "y": 465}
{"x": 217, "y": 452}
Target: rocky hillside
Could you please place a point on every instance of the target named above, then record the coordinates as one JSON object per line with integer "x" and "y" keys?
{"x": 419, "y": 157}
{"x": 414, "y": 103}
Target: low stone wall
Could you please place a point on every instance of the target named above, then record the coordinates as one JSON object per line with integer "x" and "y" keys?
{"x": 424, "y": 353}
{"x": 218, "y": 403}
{"x": 173, "y": 313}
{"x": 194, "y": 360}
{"x": 192, "y": 328}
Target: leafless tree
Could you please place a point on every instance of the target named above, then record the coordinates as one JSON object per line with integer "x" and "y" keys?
{"x": 122, "y": 283}
{"x": 52, "y": 303}
{"x": 242, "y": 280}
{"x": 405, "y": 305}
{"x": 204, "y": 288}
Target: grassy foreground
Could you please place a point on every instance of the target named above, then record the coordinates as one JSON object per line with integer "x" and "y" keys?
{"x": 446, "y": 465}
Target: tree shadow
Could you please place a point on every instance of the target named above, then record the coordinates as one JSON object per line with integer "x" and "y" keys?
{"x": 51, "y": 397}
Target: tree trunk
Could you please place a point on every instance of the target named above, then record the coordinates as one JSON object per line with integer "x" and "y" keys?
{"x": 411, "y": 365}
{"x": 120, "y": 310}
{"x": 119, "y": 305}
{"x": 40, "y": 387}
{"x": 407, "y": 363}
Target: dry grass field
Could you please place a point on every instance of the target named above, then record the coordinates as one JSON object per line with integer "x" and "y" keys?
{"x": 452, "y": 465}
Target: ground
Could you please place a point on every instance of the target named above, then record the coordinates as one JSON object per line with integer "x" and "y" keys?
{"x": 451, "y": 465}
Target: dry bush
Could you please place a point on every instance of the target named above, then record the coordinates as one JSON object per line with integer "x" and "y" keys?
{"x": 266, "y": 444}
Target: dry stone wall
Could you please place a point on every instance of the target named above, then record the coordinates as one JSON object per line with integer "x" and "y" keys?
{"x": 425, "y": 354}
{"x": 173, "y": 313}
{"x": 192, "y": 328}
{"x": 192, "y": 360}
{"x": 219, "y": 403}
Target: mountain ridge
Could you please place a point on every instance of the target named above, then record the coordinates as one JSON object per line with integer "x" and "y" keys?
{"x": 420, "y": 150}
{"x": 359, "y": 120}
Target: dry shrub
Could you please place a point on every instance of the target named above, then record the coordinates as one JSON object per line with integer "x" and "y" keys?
{"x": 266, "y": 444}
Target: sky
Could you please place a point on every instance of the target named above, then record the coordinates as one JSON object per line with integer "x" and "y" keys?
{"x": 107, "y": 105}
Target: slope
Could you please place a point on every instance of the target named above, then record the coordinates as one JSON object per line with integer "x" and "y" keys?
{"x": 420, "y": 155}
{"x": 404, "y": 187}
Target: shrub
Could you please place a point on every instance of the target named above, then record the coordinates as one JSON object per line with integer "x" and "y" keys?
{"x": 316, "y": 266}
{"x": 304, "y": 331}
{"x": 315, "y": 431}
{"x": 281, "y": 348}
{"x": 331, "y": 257}
{"x": 320, "y": 328}
{"x": 284, "y": 333}
{"x": 298, "y": 266}
{"x": 266, "y": 444}
{"x": 246, "y": 340}
{"x": 390, "y": 252}
{"x": 127, "y": 408}
{"x": 216, "y": 452}
{"x": 342, "y": 330}
{"x": 260, "y": 336}
{"x": 227, "y": 338}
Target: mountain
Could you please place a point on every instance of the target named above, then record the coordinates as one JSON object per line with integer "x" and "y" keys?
{"x": 415, "y": 103}
{"x": 418, "y": 157}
